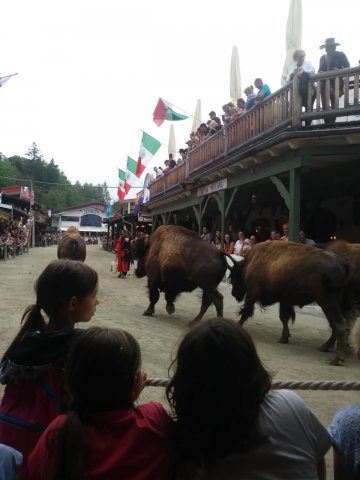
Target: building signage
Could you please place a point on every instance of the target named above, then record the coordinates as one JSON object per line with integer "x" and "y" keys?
{"x": 91, "y": 210}
{"x": 145, "y": 218}
{"x": 212, "y": 187}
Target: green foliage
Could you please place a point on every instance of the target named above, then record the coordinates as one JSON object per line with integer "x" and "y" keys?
{"x": 55, "y": 191}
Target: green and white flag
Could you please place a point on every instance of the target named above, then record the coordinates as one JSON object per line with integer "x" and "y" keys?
{"x": 121, "y": 178}
{"x": 130, "y": 176}
{"x": 164, "y": 111}
{"x": 149, "y": 146}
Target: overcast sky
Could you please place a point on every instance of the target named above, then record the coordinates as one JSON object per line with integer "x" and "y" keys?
{"x": 91, "y": 72}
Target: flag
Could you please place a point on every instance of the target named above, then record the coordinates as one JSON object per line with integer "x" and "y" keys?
{"x": 121, "y": 178}
{"x": 138, "y": 201}
{"x": 164, "y": 111}
{"x": 5, "y": 79}
{"x": 149, "y": 146}
{"x": 109, "y": 210}
{"x": 121, "y": 194}
{"x": 130, "y": 176}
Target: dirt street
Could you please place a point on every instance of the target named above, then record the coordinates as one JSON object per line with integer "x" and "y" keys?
{"x": 122, "y": 303}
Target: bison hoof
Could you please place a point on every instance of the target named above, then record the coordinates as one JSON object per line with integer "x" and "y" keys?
{"x": 336, "y": 361}
{"x": 170, "y": 308}
{"x": 148, "y": 312}
{"x": 284, "y": 340}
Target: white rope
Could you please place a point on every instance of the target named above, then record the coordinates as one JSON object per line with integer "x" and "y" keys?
{"x": 289, "y": 384}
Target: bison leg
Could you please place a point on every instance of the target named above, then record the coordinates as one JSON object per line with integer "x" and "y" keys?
{"x": 337, "y": 323}
{"x": 285, "y": 313}
{"x": 218, "y": 300}
{"x": 328, "y": 346}
{"x": 154, "y": 295}
{"x": 247, "y": 310}
{"x": 170, "y": 298}
{"x": 207, "y": 300}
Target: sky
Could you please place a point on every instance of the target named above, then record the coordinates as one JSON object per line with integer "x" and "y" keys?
{"x": 90, "y": 72}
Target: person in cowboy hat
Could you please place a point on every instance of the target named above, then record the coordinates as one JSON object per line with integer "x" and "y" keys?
{"x": 332, "y": 60}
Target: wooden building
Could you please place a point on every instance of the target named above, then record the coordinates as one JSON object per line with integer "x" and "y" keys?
{"x": 267, "y": 167}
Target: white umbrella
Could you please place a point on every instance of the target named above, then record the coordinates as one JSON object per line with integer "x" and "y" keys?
{"x": 172, "y": 143}
{"x": 197, "y": 117}
{"x": 235, "y": 77}
{"x": 293, "y": 35}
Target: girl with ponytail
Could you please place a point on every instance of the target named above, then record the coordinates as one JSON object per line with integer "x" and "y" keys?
{"x": 104, "y": 436}
{"x": 31, "y": 368}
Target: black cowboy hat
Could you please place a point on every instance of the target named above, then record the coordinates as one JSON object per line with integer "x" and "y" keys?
{"x": 329, "y": 42}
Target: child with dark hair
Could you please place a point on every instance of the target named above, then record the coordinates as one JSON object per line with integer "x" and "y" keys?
{"x": 31, "y": 368}
{"x": 104, "y": 436}
{"x": 228, "y": 424}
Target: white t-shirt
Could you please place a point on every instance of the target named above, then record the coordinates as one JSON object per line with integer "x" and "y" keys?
{"x": 297, "y": 442}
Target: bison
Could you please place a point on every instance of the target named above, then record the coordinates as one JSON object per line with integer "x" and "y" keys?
{"x": 177, "y": 260}
{"x": 72, "y": 245}
{"x": 350, "y": 252}
{"x": 294, "y": 274}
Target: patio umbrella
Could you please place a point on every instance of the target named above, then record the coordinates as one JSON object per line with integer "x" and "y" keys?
{"x": 172, "y": 143}
{"x": 197, "y": 116}
{"x": 235, "y": 77}
{"x": 293, "y": 35}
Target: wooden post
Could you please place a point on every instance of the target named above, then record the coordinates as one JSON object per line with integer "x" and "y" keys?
{"x": 294, "y": 210}
{"x": 296, "y": 103}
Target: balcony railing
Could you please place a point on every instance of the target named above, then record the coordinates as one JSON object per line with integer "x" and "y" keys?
{"x": 280, "y": 110}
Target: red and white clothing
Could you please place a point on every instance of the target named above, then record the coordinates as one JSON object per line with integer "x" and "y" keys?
{"x": 131, "y": 444}
{"x": 123, "y": 251}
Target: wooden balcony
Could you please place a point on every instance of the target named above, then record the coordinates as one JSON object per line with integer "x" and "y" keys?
{"x": 280, "y": 112}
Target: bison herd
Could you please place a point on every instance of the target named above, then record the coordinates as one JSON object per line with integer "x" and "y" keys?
{"x": 177, "y": 260}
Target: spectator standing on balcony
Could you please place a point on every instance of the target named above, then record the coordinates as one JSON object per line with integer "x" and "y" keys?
{"x": 332, "y": 60}
{"x": 158, "y": 172}
{"x": 167, "y": 166}
{"x": 250, "y": 97}
{"x": 241, "y": 105}
{"x": 172, "y": 162}
{"x": 227, "y": 115}
{"x": 302, "y": 69}
{"x": 263, "y": 90}
{"x": 216, "y": 119}
{"x": 204, "y": 132}
{"x": 183, "y": 154}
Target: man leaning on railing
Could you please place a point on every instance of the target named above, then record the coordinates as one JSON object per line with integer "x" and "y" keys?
{"x": 332, "y": 60}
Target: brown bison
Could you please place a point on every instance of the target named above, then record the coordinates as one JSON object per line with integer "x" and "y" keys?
{"x": 177, "y": 260}
{"x": 294, "y": 274}
{"x": 72, "y": 245}
{"x": 351, "y": 253}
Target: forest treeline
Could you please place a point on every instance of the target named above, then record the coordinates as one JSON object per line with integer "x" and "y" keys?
{"x": 51, "y": 186}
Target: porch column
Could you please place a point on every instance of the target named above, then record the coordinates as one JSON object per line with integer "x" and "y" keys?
{"x": 294, "y": 207}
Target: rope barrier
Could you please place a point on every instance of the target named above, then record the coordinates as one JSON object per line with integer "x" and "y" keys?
{"x": 289, "y": 384}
